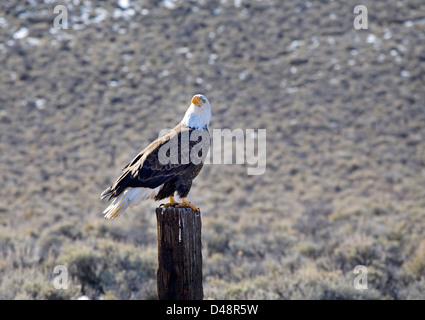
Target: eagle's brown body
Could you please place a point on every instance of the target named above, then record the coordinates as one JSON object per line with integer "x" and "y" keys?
{"x": 146, "y": 170}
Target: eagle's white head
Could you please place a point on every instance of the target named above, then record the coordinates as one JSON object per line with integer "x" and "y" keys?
{"x": 198, "y": 114}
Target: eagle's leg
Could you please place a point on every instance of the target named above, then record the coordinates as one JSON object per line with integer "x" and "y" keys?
{"x": 172, "y": 202}
{"x": 186, "y": 203}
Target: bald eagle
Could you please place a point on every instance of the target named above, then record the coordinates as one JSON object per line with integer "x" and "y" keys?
{"x": 166, "y": 166}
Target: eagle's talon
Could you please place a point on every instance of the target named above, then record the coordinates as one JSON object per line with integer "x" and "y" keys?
{"x": 167, "y": 205}
{"x": 186, "y": 204}
{"x": 172, "y": 203}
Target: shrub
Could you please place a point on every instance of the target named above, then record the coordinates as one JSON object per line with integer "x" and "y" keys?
{"x": 416, "y": 265}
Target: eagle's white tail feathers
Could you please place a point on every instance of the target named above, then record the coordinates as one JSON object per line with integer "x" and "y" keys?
{"x": 131, "y": 197}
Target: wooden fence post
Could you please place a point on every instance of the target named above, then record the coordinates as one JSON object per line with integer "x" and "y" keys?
{"x": 179, "y": 275}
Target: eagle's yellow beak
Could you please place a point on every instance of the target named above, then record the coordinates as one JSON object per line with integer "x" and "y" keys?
{"x": 195, "y": 100}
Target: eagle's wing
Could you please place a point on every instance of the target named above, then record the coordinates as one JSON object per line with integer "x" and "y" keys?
{"x": 148, "y": 169}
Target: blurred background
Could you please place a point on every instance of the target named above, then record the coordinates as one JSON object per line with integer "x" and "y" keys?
{"x": 345, "y": 119}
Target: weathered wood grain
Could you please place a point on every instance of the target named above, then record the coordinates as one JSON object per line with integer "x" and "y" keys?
{"x": 179, "y": 275}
